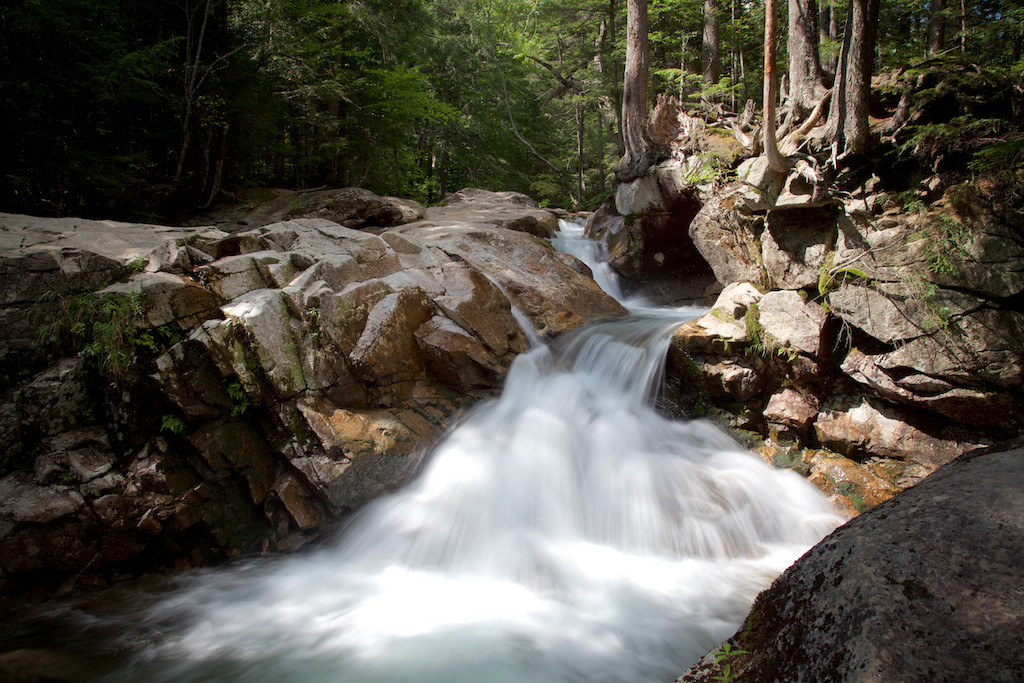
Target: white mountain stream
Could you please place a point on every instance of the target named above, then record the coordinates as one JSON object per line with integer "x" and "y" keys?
{"x": 562, "y": 532}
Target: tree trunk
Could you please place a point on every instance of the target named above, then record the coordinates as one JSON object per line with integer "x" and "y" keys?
{"x": 634, "y": 162}
{"x": 771, "y": 77}
{"x": 806, "y": 80}
{"x": 218, "y": 168}
{"x": 963, "y": 26}
{"x": 710, "y": 61}
{"x": 936, "y": 28}
{"x": 613, "y": 104}
{"x": 580, "y": 169}
{"x": 192, "y": 78}
{"x": 828, "y": 31}
{"x": 848, "y": 117}
{"x": 733, "y": 51}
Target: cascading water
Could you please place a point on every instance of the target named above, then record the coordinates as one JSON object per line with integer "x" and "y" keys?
{"x": 563, "y": 532}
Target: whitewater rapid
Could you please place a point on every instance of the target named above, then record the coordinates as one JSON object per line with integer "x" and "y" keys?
{"x": 563, "y": 532}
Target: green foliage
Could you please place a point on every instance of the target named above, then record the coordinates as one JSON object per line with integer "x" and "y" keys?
{"x": 755, "y": 333}
{"x": 172, "y": 425}
{"x": 946, "y": 245}
{"x": 831, "y": 276}
{"x": 100, "y": 326}
{"x": 959, "y": 134}
{"x": 725, "y": 654}
{"x": 239, "y": 398}
{"x": 936, "y": 316}
{"x": 125, "y": 108}
{"x": 1003, "y": 161}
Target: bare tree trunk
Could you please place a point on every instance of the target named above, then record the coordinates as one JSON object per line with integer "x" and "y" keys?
{"x": 580, "y": 184}
{"x": 848, "y": 117}
{"x": 936, "y": 28}
{"x": 743, "y": 77}
{"x": 771, "y": 77}
{"x": 634, "y": 161}
{"x": 734, "y": 50}
{"x": 710, "y": 61}
{"x": 218, "y": 168}
{"x": 828, "y": 31}
{"x": 806, "y": 80}
{"x": 963, "y": 26}
{"x": 193, "y": 79}
{"x": 605, "y": 42}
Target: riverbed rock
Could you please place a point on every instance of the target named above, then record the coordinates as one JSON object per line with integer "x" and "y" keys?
{"x": 729, "y": 241}
{"x": 900, "y": 319}
{"x": 794, "y": 246}
{"x": 790, "y": 411}
{"x": 282, "y": 376}
{"x": 792, "y": 323}
{"x": 644, "y": 231}
{"x": 861, "y": 425}
{"x": 351, "y": 207}
{"x": 923, "y": 587}
{"x": 509, "y": 210}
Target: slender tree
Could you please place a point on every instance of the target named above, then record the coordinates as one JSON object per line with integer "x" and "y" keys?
{"x": 936, "y": 27}
{"x": 771, "y": 78}
{"x": 828, "y": 34}
{"x": 635, "y": 160}
{"x": 848, "y": 116}
{"x": 710, "y": 60}
{"x": 806, "y": 79}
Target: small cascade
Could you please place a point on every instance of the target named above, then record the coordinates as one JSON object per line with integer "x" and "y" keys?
{"x": 569, "y": 239}
{"x": 564, "y": 531}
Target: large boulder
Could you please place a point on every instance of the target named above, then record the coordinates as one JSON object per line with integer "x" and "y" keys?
{"x": 510, "y": 210}
{"x": 644, "y": 230}
{"x": 269, "y": 380}
{"x": 730, "y": 242}
{"x": 923, "y": 587}
{"x": 351, "y": 207}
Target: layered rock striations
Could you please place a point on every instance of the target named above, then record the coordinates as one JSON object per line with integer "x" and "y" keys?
{"x": 892, "y": 338}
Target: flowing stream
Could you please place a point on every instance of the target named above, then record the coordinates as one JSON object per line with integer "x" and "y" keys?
{"x": 562, "y": 532}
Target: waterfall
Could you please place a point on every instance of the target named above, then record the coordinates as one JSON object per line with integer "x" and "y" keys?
{"x": 564, "y": 531}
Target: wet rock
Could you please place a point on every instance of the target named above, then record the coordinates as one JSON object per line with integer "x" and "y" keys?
{"x": 297, "y": 500}
{"x": 645, "y": 232}
{"x": 738, "y": 380}
{"x": 308, "y": 366}
{"x": 454, "y": 357}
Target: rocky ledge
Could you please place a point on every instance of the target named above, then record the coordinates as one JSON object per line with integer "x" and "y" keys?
{"x": 172, "y": 396}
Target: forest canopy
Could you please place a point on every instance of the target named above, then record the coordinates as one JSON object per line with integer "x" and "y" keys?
{"x": 144, "y": 110}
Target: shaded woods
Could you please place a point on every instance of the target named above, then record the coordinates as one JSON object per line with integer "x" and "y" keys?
{"x": 121, "y": 109}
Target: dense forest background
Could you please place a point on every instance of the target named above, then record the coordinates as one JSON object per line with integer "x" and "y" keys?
{"x": 117, "y": 108}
